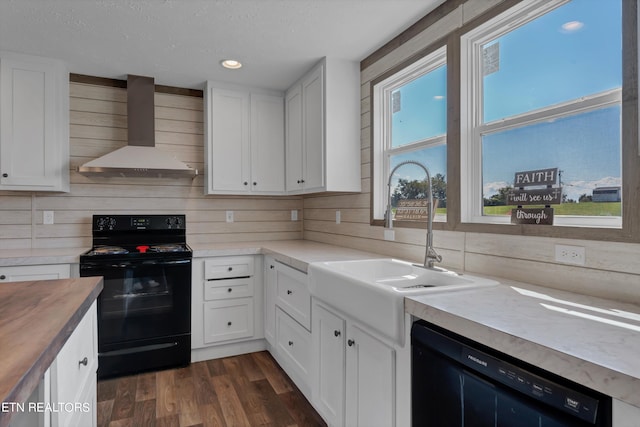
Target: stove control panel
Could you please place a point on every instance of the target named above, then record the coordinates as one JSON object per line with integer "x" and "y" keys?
{"x": 138, "y": 222}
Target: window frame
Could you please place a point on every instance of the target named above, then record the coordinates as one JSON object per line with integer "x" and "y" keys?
{"x": 381, "y": 134}
{"x": 473, "y": 128}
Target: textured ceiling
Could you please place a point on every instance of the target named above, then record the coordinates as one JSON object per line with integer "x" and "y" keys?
{"x": 181, "y": 42}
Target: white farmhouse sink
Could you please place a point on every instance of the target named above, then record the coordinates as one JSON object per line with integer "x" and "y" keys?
{"x": 373, "y": 290}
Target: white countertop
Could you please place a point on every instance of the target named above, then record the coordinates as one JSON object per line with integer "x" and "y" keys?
{"x": 295, "y": 253}
{"x": 592, "y": 341}
{"x": 14, "y": 257}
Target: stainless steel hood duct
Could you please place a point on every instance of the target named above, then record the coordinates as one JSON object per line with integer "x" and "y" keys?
{"x": 140, "y": 158}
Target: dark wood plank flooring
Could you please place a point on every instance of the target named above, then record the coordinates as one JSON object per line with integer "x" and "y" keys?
{"x": 247, "y": 390}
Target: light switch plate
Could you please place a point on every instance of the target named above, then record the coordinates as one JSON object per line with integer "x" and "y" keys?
{"x": 229, "y": 216}
{"x": 389, "y": 234}
{"x": 294, "y": 215}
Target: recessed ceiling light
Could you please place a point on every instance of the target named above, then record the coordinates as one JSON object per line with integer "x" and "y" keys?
{"x": 232, "y": 64}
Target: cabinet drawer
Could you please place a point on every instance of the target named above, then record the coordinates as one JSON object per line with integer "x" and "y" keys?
{"x": 76, "y": 364}
{"x": 227, "y": 267}
{"x": 228, "y": 320}
{"x": 293, "y": 294}
{"x": 35, "y": 272}
{"x": 294, "y": 343}
{"x": 228, "y": 288}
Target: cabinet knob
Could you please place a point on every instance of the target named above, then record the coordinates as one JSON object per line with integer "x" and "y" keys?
{"x": 228, "y": 323}
{"x": 84, "y": 362}
{"x": 229, "y": 290}
{"x": 255, "y": 183}
{"x": 289, "y": 292}
{"x": 230, "y": 269}
{"x": 336, "y": 333}
{"x": 290, "y": 343}
{"x": 271, "y": 267}
{"x": 2, "y": 277}
{"x": 5, "y": 175}
{"x": 298, "y": 181}
{"x": 350, "y": 343}
{"x": 245, "y": 183}
{"x": 302, "y": 181}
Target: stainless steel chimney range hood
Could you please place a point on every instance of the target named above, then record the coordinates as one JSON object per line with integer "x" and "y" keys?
{"x": 140, "y": 157}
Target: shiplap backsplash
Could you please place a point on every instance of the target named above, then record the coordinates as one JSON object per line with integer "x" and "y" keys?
{"x": 612, "y": 269}
{"x": 98, "y": 125}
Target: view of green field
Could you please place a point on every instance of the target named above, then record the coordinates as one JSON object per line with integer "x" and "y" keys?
{"x": 581, "y": 209}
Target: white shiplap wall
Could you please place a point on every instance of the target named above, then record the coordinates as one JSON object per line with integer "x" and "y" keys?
{"x": 98, "y": 125}
{"x": 612, "y": 269}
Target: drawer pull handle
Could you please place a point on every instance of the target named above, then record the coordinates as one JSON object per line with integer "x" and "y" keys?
{"x": 228, "y": 323}
{"x": 84, "y": 362}
{"x": 229, "y": 290}
{"x": 351, "y": 343}
{"x": 289, "y": 292}
{"x": 336, "y": 333}
{"x": 290, "y": 343}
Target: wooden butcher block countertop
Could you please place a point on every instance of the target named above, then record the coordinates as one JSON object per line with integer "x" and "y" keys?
{"x": 36, "y": 319}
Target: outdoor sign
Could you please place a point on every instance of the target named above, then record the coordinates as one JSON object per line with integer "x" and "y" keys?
{"x": 523, "y": 195}
{"x": 412, "y": 210}
{"x": 536, "y": 177}
{"x": 546, "y": 196}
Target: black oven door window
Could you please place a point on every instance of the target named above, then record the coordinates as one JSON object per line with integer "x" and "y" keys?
{"x": 143, "y": 299}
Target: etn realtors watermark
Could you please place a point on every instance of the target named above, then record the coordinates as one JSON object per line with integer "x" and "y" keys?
{"x": 45, "y": 407}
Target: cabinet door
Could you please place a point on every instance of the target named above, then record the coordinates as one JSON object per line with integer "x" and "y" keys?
{"x": 313, "y": 130}
{"x": 293, "y": 294}
{"x": 267, "y": 143}
{"x": 73, "y": 373}
{"x": 34, "y": 138}
{"x": 21, "y": 273}
{"x": 228, "y": 320}
{"x": 270, "y": 300}
{"x": 228, "y": 141}
{"x": 293, "y": 138}
{"x": 370, "y": 384}
{"x": 329, "y": 375}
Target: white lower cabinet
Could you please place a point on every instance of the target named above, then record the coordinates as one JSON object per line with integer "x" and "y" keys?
{"x": 354, "y": 374}
{"x": 226, "y": 309}
{"x": 20, "y": 273}
{"x": 287, "y": 321}
{"x": 270, "y": 293}
{"x": 73, "y": 375}
{"x": 293, "y": 344}
{"x": 66, "y": 395}
{"x": 625, "y": 415}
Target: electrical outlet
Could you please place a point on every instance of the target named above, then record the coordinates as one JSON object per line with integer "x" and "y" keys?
{"x": 389, "y": 234}
{"x": 570, "y": 254}
{"x": 338, "y": 217}
{"x": 294, "y": 215}
{"x": 229, "y": 216}
{"x": 47, "y": 217}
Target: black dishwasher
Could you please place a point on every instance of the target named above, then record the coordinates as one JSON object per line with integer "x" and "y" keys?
{"x": 458, "y": 382}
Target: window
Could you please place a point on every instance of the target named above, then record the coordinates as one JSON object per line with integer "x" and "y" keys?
{"x": 410, "y": 121}
{"x": 541, "y": 90}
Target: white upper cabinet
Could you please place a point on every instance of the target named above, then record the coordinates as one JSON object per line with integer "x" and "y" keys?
{"x": 34, "y": 123}
{"x": 323, "y": 129}
{"x": 244, "y": 142}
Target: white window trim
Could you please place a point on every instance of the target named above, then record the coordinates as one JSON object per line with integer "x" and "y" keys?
{"x": 382, "y": 131}
{"x": 471, "y": 114}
